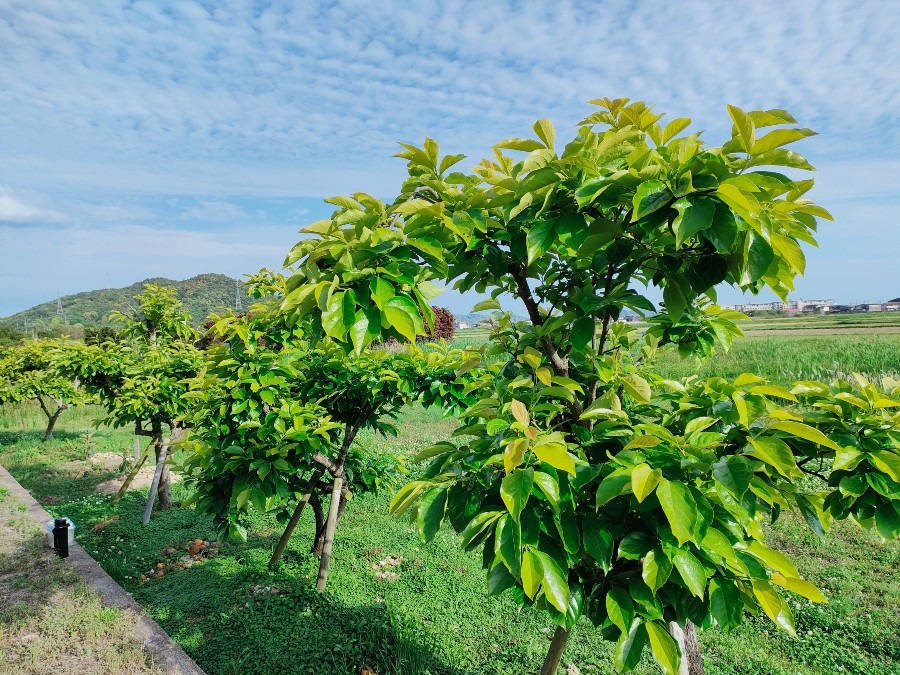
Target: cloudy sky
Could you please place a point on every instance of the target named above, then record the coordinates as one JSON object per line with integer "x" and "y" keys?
{"x": 146, "y": 139}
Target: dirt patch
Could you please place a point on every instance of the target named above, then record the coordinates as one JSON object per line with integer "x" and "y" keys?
{"x": 143, "y": 479}
{"x": 107, "y": 461}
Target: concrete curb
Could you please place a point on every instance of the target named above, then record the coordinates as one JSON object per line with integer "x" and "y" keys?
{"x": 166, "y": 654}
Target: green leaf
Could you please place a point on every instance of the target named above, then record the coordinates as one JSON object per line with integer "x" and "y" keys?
{"x": 644, "y": 480}
{"x": 799, "y": 586}
{"x": 745, "y": 127}
{"x": 781, "y": 157}
{"x": 651, "y": 195}
{"x": 691, "y": 571}
{"x": 775, "y": 452}
{"x": 598, "y": 542}
{"x": 759, "y": 257}
{"x": 725, "y": 603}
{"x": 490, "y": 303}
{"x": 665, "y": 649}
{"x": 611, "y": 487}
{"x": 637, "y": 388}
{"x": 675, "y": 299}
{"x": 523, "y": 144}
{"x": 774, "y": 606}
{"x": 619, "y": 608}
{"x": 695, "y": 213}
{"x": 680, "y": 508}
{"x": 772, "y": 559}
{"x": 582, "y": 333}
{"x": 532, "y": 573}
{"x": 656, "y": 569}
{"x": 630, "y": 647}
{"x": 539, "y": 238}
{"x": 432, "y": 507}
{"x": 544, "y": 130}
{"x": 403, "y": 315}
{"x": 887, "y": 521}
{"x": 508, "y": 543}
{"x": 806, "y": 432}
{"x": 499, "y": 579}
{"x": 380, "y": 291}
{"x": 515, "y": 490}
{"x": 734, "y": 472}
{"x": 556, "y": 455}
{"x": 778, "y": 137}
{"x": 478, "y": 525}
{"x": 886, "y": 461}
{"x": 548, "y": 485}
{"x": 554, "y": 583}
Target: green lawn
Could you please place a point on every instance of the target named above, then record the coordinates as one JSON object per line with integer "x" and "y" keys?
{"x": 234, "y": 616}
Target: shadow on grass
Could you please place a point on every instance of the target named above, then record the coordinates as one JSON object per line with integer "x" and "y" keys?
{"x": 234, "y": 615}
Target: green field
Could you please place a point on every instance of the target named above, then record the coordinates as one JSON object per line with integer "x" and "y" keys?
{"x": 235, "y": 616}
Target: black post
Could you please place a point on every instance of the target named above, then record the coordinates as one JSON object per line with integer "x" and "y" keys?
{"x": 61, "y": 537}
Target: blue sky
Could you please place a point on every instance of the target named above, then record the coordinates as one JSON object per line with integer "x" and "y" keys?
{"x": 169, "y": 139}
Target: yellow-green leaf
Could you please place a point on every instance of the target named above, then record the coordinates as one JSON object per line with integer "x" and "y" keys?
{"x": 520, "y": 412}
{"x": 806, "y": 432}
{"x": 665, "y": 649}
{"x": 774, "y": 606}
{"x": 799, "y": 586}
{"x": 644, "y": 480}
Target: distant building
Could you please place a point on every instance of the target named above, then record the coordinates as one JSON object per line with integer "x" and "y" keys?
{"x": 791, "y": 306}
{"x": 462, "y": 324}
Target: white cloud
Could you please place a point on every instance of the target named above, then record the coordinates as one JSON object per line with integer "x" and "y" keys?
{"x": 24, "y": 209}
{"x": 109, "y": 112}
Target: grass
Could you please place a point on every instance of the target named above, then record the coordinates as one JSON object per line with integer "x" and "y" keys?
{"x": 233, "y": 615}
{"x": 784, "y": 359}
{"x": 51, "y": 621}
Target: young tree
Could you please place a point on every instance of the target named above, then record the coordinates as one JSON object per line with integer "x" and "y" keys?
{"x": 27, "y": 374}
{"x": 276, "y": 416}
{"x": 592, "y": 486}
{"x": 140, "y": 379}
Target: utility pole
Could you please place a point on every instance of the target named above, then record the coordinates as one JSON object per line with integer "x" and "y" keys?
{"x": 59, "y": 307}
{"x": 237, "y": 296}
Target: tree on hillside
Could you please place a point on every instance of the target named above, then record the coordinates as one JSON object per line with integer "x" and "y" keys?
{"x": 27, "y": 374}
{"x": 592, "y": 486}
{"x": 140, "y": 379}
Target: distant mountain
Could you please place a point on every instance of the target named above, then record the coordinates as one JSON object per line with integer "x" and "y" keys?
{"x": 475, "y": 317}
{"x": 201, "y": 295}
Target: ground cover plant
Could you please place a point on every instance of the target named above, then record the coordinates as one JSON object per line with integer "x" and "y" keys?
{"x": 435, "y": 616}
{"x": 593, "y": 487}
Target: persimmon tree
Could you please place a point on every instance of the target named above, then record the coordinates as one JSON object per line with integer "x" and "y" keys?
{"x": 27, "y": 374}
{"x": 276, "y": 410}
{"x": 140, "y": 378}
{"x": 591, "y": 486}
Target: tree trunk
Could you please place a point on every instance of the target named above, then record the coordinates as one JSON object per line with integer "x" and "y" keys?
{"x": 51, "y": 422}
{"x": 319, "y": 539}
{"x": 157, "y": 476}
{"x": 51, "y": 416}
{"x": 554, "y": 654}
{"x": 330, "y": 527}
{"x": 691, "y": 661}
{"x": 334, "y": 510}
{"x": 295, "y": 517}
{"x": 134, "y": 471}
{"x": 165, "y": 482}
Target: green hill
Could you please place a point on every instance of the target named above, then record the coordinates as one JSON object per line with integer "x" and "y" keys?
{"x": 201, "y": 295}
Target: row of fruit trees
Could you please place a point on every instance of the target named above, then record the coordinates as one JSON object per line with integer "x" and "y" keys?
{"x": 591, "y": 486}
